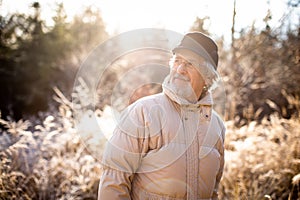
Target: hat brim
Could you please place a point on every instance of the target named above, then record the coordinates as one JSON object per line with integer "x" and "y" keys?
{"x": 192, "y": 56}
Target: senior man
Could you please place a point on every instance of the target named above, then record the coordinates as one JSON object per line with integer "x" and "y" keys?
{"x": 170, "y": 145}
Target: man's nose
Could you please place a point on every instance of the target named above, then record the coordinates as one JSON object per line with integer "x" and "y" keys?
{"x": 181, "y": 69}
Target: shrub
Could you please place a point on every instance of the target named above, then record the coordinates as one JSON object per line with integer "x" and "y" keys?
{"x": 262, "y": 160}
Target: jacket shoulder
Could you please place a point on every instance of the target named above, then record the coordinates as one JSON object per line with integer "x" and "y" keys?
{"x": 143, "y": 107}
{"x": 155, "y": 98}
{"x": 149, "y": 101}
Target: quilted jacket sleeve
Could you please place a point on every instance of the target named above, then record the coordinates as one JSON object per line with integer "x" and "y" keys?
{"x": 122, "y": 156}
{"x": 114, "y": 185}
{"x": 222, "y": 162}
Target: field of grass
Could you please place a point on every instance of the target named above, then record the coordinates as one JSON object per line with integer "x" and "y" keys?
{"x": 262, "y": 160}
{"x": 51, "y": 161}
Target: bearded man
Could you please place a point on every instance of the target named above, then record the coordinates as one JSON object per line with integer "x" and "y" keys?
{"x": 170, "y": 145}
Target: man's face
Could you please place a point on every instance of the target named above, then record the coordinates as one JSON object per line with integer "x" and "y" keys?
{"x": 184, "y": 74}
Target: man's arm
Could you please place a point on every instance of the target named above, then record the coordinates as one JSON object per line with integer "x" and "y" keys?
{"x": 222, "y": 162}
{"x": 114, "y": 185}
{"x": 120, "y": 161}
{"x": 122, "y": 156}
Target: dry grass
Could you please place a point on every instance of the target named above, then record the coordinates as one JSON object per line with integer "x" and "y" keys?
{"x": 262, "y": 160}
{"x": 51, "y": 161}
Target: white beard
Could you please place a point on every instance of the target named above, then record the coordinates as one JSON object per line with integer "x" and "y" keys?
{"x": 181, "y": 87}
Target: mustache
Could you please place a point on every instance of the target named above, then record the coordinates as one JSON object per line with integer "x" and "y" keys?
{"x": 179, "y": 76}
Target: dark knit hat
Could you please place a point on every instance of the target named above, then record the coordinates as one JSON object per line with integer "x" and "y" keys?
{"x": 200, "y": 45}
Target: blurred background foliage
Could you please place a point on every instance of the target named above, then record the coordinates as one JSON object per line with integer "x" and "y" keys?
{"x": 34, "y": 57}
{"x": 260, "y": 70}
{"x": 43, "y": 154}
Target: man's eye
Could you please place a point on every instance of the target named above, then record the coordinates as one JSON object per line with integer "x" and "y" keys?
{"x": 189, "y": 65}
